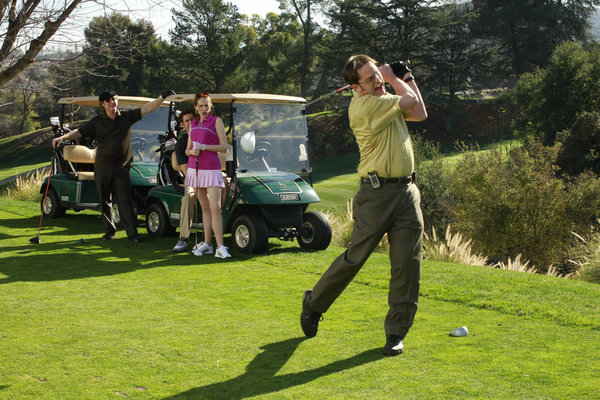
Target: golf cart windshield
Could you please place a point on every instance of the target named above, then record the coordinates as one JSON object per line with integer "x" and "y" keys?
{"x": 271, "y": 137}
{"x": 144, "y": 135}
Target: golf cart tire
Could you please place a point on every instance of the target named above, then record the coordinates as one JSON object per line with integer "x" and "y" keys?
{"x": 157, "y": 221}
{"x": 315, "y": 233}
{"x": 52, "y": 207}
{"x": 250, "y": 234}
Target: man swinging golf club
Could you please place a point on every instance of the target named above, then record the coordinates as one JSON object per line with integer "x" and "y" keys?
{"x": 111, "y": 130}
{"x": 387, "y": 201}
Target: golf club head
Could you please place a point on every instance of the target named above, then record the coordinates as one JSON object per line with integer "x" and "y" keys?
{"x": 35, "y": 240}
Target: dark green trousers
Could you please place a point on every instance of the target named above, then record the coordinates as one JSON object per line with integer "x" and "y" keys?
{"x": 394, "y": 209}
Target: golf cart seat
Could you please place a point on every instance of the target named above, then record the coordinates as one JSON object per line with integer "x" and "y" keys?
{"x": 81, "y": 160}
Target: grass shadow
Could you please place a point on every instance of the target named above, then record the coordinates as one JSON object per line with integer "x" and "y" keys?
{"x": 260, "y": 376}
{"x": 58, "y": 258}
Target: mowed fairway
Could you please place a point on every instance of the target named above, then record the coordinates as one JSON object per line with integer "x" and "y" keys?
{"x": 110, "y": 320}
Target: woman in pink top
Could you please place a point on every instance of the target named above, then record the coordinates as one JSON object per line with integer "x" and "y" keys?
{"x": 206, "y": 139}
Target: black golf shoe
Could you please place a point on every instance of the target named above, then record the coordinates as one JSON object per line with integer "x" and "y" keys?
{"x": 393, "y": 346}
{"x": 108, "y": 236}
{"x": 135, "y": 239}
{"x": 309, "y": 319}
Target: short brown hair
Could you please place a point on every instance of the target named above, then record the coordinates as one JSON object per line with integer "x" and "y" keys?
{"x": 352, "y": 65}
{"x": 187, "y": 111}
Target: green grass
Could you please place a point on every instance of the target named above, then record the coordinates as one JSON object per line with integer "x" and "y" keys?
{"x": 105, "y": 320}
{"x": 17, "y": 158}
{"x": 335, "y": 180}
{"x": 452, "y": 155}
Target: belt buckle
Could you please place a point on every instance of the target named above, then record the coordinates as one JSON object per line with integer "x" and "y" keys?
{"x": 374, "y": 179}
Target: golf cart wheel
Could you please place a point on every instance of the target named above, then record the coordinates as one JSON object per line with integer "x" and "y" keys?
{"x": 250, "y": 234}
{"x": 51, "y": 208}
{"x": 157, "y": 221}
{"x": 315, "y": 233}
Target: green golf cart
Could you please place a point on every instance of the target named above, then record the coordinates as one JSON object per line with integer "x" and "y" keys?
{"x": 72, "y": 183}
{"x": 269, "y": 171}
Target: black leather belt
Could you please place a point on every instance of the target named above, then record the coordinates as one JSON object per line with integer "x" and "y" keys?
{"x": 405, "y": 180}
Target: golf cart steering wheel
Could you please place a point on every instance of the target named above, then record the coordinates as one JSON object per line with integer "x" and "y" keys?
{"x": 137, "y": 145}
{"x": 262, "y": 149}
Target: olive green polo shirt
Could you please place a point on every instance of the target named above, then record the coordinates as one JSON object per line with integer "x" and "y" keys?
{"x": 113, "y": 137}
{"x": 382, "y": 136}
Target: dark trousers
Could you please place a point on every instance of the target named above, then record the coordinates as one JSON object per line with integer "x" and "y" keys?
{"x": 115, "y": 181}
{"x": 394, "y": 209}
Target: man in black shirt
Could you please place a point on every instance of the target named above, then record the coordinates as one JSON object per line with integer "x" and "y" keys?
{"x": 111, "y": 130}
{"x": 188, "y": 200}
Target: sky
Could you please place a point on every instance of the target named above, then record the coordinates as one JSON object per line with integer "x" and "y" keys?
{"x": 159, "y": 12}
{"x": 156, "y": 11}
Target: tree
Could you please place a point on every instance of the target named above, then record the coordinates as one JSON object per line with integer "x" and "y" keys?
{"x": 18, "y": 20}
{"x": 119, "y": 54}
{"x": 211, "y": 45}
{"x": 276, "y": 54}
{"x": 303, "y": 10}
{"x": 387, "y": 30}
{"x": 530, "y": 30}
{"x": 550, "y": 99}
{"x": 580, "y": 150}
{"x": 456, "y": 60}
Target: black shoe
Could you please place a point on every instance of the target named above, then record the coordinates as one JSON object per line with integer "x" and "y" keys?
{"x": 309, "y": 319}
{"x": 135, "y": 239}
{"x": 108, "y": 236}
{"x": 393, "y": 346}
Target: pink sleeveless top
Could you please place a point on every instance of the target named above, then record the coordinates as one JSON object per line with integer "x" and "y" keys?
{"x": 205, "y": 133}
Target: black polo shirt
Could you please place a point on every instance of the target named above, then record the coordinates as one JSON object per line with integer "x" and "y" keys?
{"x": 113, "y": 137}
{"x": 180, "y": 147}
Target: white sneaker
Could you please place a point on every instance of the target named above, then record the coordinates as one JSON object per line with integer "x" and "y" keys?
{"x": 203, "y": 248}
{"x": 222, "y": 252}
{"x": 181, "y": 246}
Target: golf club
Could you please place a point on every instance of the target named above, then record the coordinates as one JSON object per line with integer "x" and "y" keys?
{"x": 196, "y": 201}
{"x": 328, "y": 94}
{"x": 36, "y": 239}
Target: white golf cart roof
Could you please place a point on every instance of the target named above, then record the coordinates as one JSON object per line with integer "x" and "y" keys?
{"x": 124, "y": 101}
{"x": 238, "y": 97}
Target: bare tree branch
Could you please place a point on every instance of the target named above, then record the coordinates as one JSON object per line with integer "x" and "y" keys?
{"x": 17, "y": 22}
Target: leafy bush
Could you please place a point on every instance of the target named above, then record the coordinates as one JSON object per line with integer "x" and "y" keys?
{"x": 580, "y": 145}
{"x": 511, "y": 202}
{"x": 432, "y": 180}
{"x": 550, "y": 99}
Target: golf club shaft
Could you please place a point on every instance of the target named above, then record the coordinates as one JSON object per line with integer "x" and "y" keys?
{"x": 196, "y": 200}
{"x": 46, "y": 192}
{"x": 328, "y": 94}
